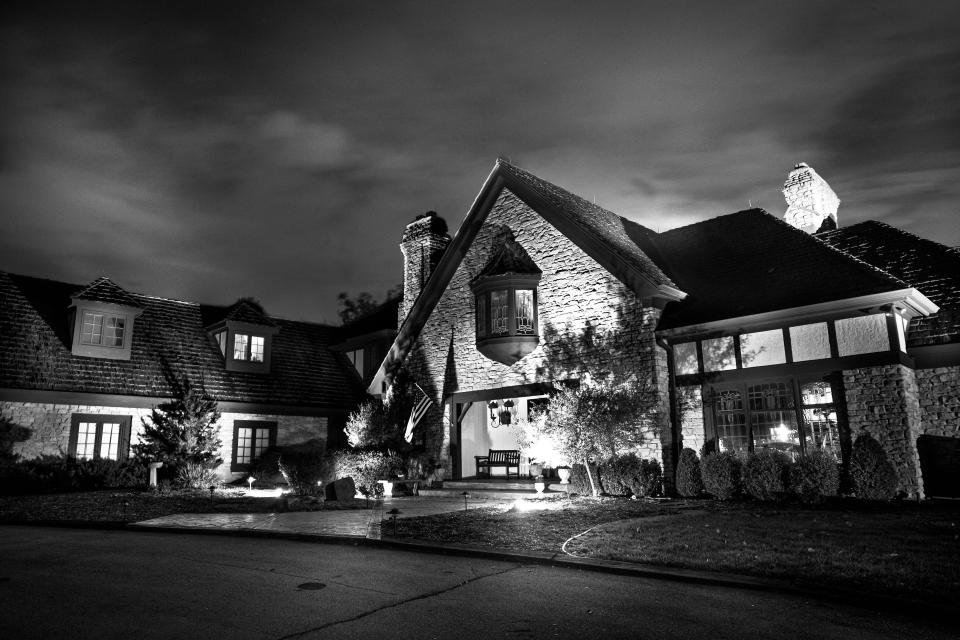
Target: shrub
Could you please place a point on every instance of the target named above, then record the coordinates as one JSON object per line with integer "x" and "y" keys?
{"x": 579, "y": 482}
{"x": 689, "y": 481}
{"x": 765, "y": 473}
{"x": 617, "y": 473}
{"x": 871, "y": 473}
{"x": 720, "y": 473}
{"x": 814, "y": 477}
{"x": 304, "y": 466}
{"x": 266, "y": 468}
{"x": 650, "y": 481}
{"x": 196, "y": 475}
{"x": 366, "y": 466}
{"x": 61, "y": 473}
{"x": 10, "y": 434}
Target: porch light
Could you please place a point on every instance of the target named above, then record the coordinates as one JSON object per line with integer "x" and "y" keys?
{"x": 501, "y": 413}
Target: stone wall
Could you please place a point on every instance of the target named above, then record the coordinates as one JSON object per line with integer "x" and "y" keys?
{"x": 50, "y": 427}
{"x": 577, "y": 299}
{"x": 939, "y": 401}
{"x": 690, "y": 405}
{"x": 884, "y": 402}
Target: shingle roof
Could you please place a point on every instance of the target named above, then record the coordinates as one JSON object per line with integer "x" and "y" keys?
{"x": 929, "y": 266}
{"x": 751, "y": 262}
{"x": 105, "y": 290}
{"x": 244, "y": 310}
{"x": 169, "y": 340}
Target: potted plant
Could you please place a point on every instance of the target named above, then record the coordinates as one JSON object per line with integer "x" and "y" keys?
{"x": 539, "y": 484}
{"x": 536, "y": 469}
{"x": 563, "y": 472}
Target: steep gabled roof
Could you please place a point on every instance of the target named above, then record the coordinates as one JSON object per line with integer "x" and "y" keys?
{"x": 604, "y": 236}
{"x": 244, "y": 310}
{"x": 169, "y": 340}
{"x": 103, "y": 289}
{"x": 751, "y": 262}
{"x": 931, "y": 267}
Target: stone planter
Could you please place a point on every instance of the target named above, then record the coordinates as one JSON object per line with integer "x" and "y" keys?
{"x": 564, "y": 474}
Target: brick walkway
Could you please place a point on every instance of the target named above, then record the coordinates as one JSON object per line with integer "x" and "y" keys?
{"x": 350, "y": 523}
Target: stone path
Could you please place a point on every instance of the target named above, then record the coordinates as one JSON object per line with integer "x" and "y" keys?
{"x": 350, "y": 523}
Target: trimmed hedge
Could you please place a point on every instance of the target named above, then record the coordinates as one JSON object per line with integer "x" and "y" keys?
{"x": 48, "y": 474}
{"x": 689, "y": 480}
{"x": 304, "y": 467}
{"x": 873, "y": 477}
{"x": 815, "y": 477}
{"x": 721, "y": 474}
{"x": 765, "y": 473}
{"x": 630, "y": 475}
{"x": 579, "y": 483}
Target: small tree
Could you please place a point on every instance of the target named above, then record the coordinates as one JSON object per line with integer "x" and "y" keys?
{"x": 600, "y": 420}
{"x": 371, "y": 426}
{"x": 183, "y": 431}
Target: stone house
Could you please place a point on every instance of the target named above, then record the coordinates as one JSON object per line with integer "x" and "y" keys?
{"x": 81, "y": 366}
{"x": 751, "y": 331}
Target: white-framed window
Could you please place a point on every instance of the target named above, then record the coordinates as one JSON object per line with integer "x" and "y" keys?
{"x": 248, "y": 347}
{"x": 102, "y": 329}
{"x": 99, "y": 436}
{"x": 251, "y": 439}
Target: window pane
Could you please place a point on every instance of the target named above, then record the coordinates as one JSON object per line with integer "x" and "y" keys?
{"x": 240, "y": 342}
{"x": 86, "y": 440}
{"x": 222, "y": 342}
{"x": 113, "y": 331}
{"x": 498, "y": 312}
{"x": 864, "y": 334}
{"x": 810, "y": 342}
{"x": 261, "y": 443}
{"x": 481, "y": 315}
{"x": 762, "y": 348}
{"x": 525, "y": 311}
{"x": 256, "y": 349}
{"x": 685, "y": 357}
{"x": 822, "y": 429}
{"x": 244, "y": 445}
{"x": 92, "y": 328}
{"x": 902, "y": 332}
{"x": 109, "y": 440}
{"x": 819, "y": 392}
{"x": 773, "y": 416}
{"x": 731, "y": 422}
{"x": 718, "y": 354}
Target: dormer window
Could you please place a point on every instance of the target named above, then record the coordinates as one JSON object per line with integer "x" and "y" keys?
{"x": 245, "y": 338}
{"x": 505, "y": 295}
{"x": 102, "y": 318}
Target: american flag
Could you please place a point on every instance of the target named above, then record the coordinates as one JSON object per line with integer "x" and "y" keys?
{"x": 419, "y": 410}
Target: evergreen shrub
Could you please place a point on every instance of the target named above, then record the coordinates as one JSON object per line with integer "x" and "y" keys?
{"x": 689, "y": 480}
{"x": 765, "y": 473}
{"x": 579, "y": 482}
{"x": 871, "y": 473}
{"x": 617, "y": 474}
{"x": 366, "y": 466}
{"x": 59, "y": 473}
{"x": 304, "y": 466}
{"x": 815, "y": 477}
{"x": 720, "y": 473}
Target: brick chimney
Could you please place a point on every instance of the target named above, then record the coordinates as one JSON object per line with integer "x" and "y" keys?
{"x": 423, "y": 243}
{"x": 811, "y": 203}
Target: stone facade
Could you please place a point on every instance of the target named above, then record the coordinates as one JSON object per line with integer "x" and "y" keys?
{"x": 690, "y": 404}
{"x": 50, "y": 427}
{"x": 578, "y": 300}
{"x": 939, "y": 401}
{"x": 885, "y": 402}
{"x": 423, "y": 243}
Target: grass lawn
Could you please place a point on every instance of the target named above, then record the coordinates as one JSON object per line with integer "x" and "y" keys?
{"x": 907, "y": 549}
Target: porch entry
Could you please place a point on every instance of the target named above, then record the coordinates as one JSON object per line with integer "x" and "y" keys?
{"x": 490, "y": 424}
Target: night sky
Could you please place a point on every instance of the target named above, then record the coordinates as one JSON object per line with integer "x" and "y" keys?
{"x": 211, "y": 150}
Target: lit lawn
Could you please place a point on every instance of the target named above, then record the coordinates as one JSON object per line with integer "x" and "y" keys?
{"x": 905, "y": 549}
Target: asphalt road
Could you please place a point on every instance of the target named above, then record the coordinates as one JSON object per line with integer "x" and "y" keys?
{"x": 65, "y": 583}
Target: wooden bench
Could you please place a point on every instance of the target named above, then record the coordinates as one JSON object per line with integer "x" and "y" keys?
{"x": 507, "y": 458}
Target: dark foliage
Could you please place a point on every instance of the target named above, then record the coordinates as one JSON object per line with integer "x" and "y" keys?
{"x": 366, "y": 466}
{"x": 631, "y": 475}
{"x": 579, "y": 482}
{"x": 689, "y": 480}
{"x": 765, "y": 474}
{"x": 872, "y": 475}
{"x": 11, "y": 433}
{"x": 721, "y": 475}
{"x": 304, "y": 466}
{"x": 48, "y": 474}
{"x": 815, "y": 477}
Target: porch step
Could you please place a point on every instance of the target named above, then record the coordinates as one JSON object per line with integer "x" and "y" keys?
{"x": 489, "y": 493}
{"x": 498, "y": 485}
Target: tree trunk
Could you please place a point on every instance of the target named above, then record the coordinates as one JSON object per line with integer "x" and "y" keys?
{"x": 593, "y": 486}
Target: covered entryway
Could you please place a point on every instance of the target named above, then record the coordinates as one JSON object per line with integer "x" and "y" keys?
{"x": 940, "y": 465}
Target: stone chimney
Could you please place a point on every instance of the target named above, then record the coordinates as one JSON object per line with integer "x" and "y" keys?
{"x": 811, "y": 203}
{"x": 423, "y": 243}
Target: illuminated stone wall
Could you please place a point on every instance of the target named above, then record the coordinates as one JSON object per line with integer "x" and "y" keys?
{"x": 49, "y": 424}
{"x": 885, "y": 402}
{"x": 575, "y": 296}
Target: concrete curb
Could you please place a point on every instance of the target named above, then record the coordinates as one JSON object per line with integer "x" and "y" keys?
{"x": 846, "y": 596}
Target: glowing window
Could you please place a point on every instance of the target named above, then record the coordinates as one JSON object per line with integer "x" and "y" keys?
{"x": 256, "y": 349}
{"x": 99, "y": 436}
{"x": 525, "y": 312}
{"x": 240, "y": 343}
{"x": 102, "y": 329}
{"x": 251, "y": 440}
{"x": 499, "y": 312}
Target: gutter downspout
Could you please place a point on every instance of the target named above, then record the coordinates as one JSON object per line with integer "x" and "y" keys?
{"x": 674, "y": 416}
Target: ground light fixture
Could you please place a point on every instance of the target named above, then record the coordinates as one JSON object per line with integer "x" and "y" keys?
{"x": 465, "y": 496}
{"x": 393, "y": 513}
{"x": 250, "y": 482}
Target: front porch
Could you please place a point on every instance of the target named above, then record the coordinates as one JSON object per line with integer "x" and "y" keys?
{"x": 498, "y": 487}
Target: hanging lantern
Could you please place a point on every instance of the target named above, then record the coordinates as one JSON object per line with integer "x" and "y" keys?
{"x": 506, "y": 416}
{"x": 493, "y": 407}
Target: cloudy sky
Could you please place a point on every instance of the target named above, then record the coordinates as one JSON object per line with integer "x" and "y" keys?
{"x": 207, "y": 151}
